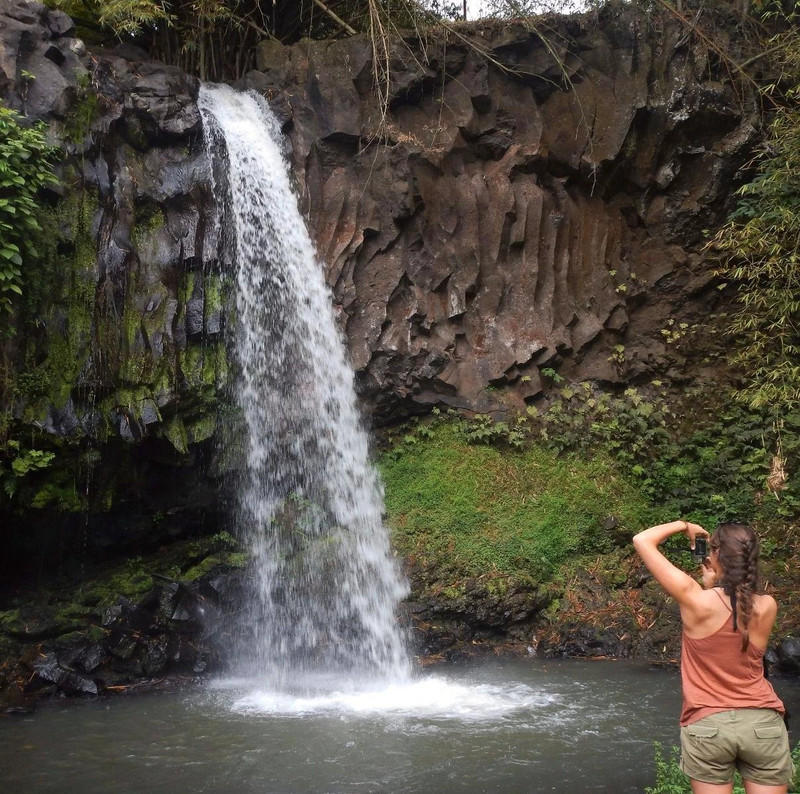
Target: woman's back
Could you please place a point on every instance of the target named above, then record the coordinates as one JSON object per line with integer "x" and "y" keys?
{"x": 731, "y": 715}
{"x": 710, "y": 609}
{"x": 718, "y": 675}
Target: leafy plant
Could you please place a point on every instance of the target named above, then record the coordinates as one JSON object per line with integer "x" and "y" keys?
{"x": 20, "y": 462}
{"x": 671, "y": 780}
{"x": 25, "y": 168}
{"x": 714, "y": 460}
{"x": 759, "y": 247}
{"x": 482, "y": 429}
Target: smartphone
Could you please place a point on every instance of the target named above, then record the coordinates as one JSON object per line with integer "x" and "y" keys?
{"x": 700, "y": 550}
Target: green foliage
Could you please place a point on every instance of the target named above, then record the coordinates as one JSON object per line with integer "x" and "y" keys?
{"x": 129, "y": 16}
{"x": 670, "y": 779}
{"x": 17, "y": 462}
{"x": 216, "y": 39}
{"x": 122, "y": 16}
{"x": 471, "y": 509}
{"x": 25, "y": 168}
{"x": 760, "y": 247}
{"x": 689, "y": 453}
{"x": 56, "y": 309}
{"x": 483, "y": 429}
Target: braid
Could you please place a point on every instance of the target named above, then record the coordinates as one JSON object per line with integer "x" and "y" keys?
{"x": 738, "y": 556}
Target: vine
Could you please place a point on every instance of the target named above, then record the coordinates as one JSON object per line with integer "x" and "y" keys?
{"x": 26, "y": 166}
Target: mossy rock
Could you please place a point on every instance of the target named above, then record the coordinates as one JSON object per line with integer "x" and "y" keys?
{"x": 39, "y": 622}
{"x": 225, "y": 559}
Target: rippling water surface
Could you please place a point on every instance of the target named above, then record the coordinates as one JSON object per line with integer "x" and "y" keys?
{"x": 521, "y": 726}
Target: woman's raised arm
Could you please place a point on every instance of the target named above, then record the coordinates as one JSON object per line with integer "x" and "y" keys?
{"x": 676, "y": 582}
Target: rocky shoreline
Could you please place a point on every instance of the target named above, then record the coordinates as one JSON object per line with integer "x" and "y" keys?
{"x": 160, "y": 630}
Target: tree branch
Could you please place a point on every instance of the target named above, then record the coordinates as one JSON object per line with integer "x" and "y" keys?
{"x": 334, "y": 17}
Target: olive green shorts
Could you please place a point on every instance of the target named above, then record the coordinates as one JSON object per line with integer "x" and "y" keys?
{"x": 754, "y": 741}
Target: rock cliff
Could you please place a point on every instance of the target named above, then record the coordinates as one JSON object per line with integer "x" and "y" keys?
{"x": 530, "y": 195}
{"x": 507, "y": 200}
{"x": 530, "y": 199}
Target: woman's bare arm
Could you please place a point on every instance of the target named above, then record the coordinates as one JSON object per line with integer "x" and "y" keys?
{"x": 682, "y": 587}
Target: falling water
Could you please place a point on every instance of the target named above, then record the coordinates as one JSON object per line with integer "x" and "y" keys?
{"x": 309, "y": 504}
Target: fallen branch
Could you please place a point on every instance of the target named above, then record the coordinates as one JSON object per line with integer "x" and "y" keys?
{"x": 335, "y": 17}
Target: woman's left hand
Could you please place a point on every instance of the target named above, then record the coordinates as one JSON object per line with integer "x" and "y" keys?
{"x": 693, "y": 531}
{"x": 708, "y": 576}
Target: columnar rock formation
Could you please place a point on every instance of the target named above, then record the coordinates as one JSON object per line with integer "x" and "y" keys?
{"x": 533, "y": 198}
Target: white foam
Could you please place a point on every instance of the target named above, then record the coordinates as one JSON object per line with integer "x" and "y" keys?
{"x": 429, "y": 698}
{"x": 309, "y": 501}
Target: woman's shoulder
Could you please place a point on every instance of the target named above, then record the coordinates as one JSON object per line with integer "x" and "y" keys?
{"x": 765, "y": 605}
{"x": 706, "y": 613}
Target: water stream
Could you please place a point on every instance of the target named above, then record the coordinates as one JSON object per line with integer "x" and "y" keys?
{"x": 309, "y": 504}
{"x": 506, "y": 728}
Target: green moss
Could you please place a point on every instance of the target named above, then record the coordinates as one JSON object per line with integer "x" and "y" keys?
{"x": 226, "y": 559}
{"x": 214, "y": 289}
{"x": 42, "y": 620}
{"x": 9, "y": 620}
{"x": 78, "y": 121}
{"x": 201, "y": 429}
{"x": 148, "y": 220}
{"x": 175, "y": 432}
{"x": 61, "y": 497}
{"x": 58, "y": 306}
{"x": 499, "y": 585}
{"x": 452, "y": 592}
{"x": 73, "y": 612}
{"x": 132, "y": 582}
{"x": 471, "y": 510}
{"x": 135, "y": 134}
{"x": 96, "y": 633}
{"x": 204, "y": 368}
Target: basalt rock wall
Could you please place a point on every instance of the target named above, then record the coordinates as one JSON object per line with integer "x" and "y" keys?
{"x": 528, "y": 200}
{"x": 503, "y": 200}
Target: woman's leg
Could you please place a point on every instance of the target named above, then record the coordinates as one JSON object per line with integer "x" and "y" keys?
{"x": 760, "y": 788}
{"x": 715, "y": 788}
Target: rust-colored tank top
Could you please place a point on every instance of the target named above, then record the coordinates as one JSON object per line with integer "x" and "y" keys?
{"x": 716, "y": 676}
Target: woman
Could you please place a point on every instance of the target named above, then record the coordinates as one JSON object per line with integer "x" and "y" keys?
{"x": 731, "y": 717}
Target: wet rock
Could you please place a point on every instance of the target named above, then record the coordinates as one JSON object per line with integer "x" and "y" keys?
{"x": 68, "y": 681}
{"x": 154, "y": 660}
{"x": 79, "y": 651}
{"x": 168, "y": 598}
{"x": 201, "y": 663}
{"x": 585, "y": 641}
{"x": 125, "y": 647}
{"x": 787, "y": 656}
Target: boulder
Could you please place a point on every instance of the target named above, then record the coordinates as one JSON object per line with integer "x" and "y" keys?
{"x": 787, "y": 656}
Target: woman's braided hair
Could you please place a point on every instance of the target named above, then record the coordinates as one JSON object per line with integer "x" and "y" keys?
{"x": 738, "y": 549}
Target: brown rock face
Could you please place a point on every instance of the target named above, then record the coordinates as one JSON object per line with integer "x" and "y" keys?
{"x": 537, "y": 205}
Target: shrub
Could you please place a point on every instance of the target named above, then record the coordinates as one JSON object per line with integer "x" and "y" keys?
{"x": 670, "y": 779}
{"x": 25, "y": 168}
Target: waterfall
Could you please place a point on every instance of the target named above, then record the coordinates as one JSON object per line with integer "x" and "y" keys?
{"x": 309, "y": 504}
